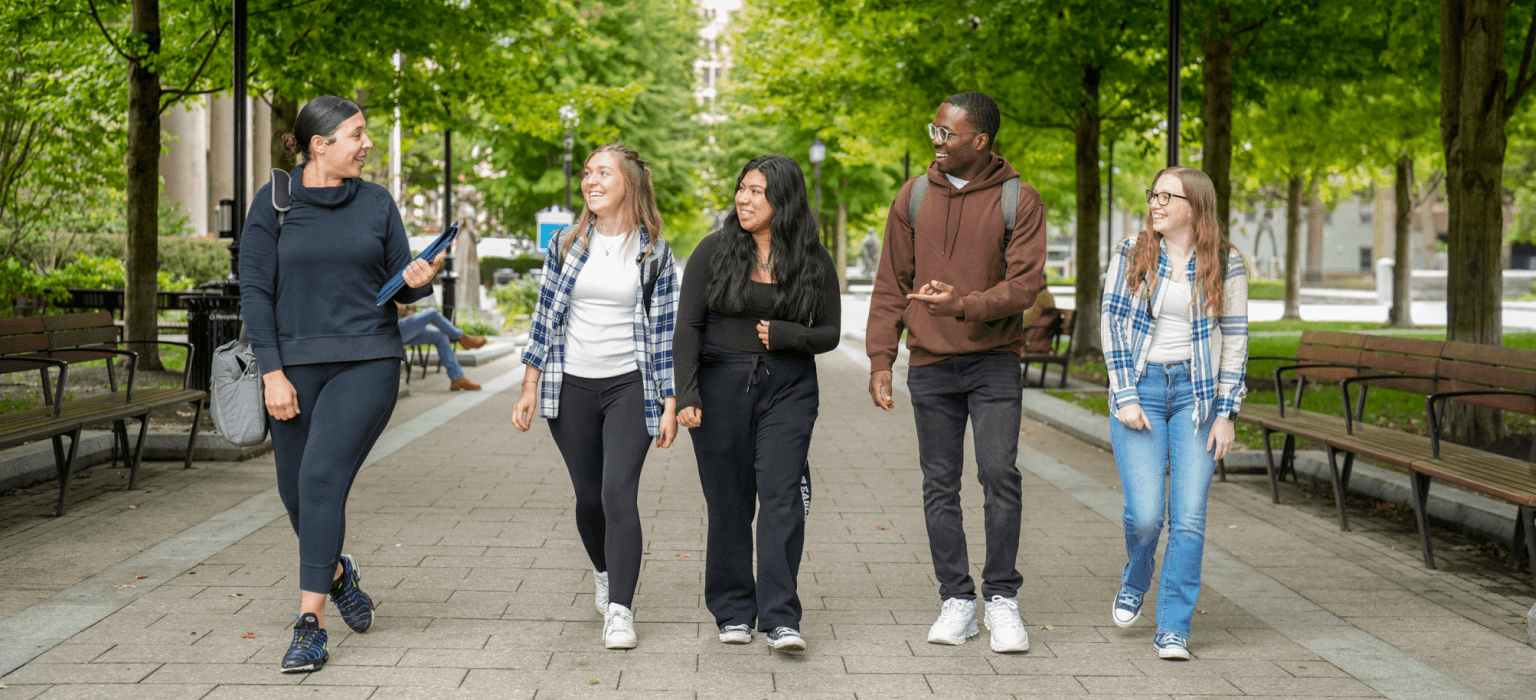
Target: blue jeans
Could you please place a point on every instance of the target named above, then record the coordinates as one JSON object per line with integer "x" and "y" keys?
{"x": 429, "y": 327}
{"x": 1172, "y": 453}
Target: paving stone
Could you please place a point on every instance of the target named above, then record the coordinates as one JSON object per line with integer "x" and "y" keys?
{"x": 36, "y": 673}
{"x": 85, "y": 691}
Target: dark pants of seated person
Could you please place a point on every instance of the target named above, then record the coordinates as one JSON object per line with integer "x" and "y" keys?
{"x": 343, "y": 407}
{"x": 751, "y": 447}
{"x": 603, "y": 437}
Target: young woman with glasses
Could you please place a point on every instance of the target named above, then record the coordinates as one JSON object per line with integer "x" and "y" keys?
{"x": 1175, "y": 332}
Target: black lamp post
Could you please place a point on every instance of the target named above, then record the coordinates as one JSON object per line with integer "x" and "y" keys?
{"x": 569, "y": 117}
{"x": 238, "y": 206}
{"x": 818, "y": 154}
{"x": 450, "y": 278}
{"x": 1174, "y": 59}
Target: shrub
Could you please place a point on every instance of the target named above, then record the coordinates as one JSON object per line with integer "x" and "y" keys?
{"x": 520, "y": 264}
{"x": 25, "y": 289}
{"x": 518, "y": 297}
{"x": 92, "y": 272}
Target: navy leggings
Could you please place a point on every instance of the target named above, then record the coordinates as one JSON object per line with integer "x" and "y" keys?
{"x": 343, "y": 407}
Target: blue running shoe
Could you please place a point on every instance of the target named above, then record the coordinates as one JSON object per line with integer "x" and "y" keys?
{"x": 355, "y": 606}
{"x": 1127, "y": 607}
{"x": 1171, "y": 645}
{"x": 307, "y": 653}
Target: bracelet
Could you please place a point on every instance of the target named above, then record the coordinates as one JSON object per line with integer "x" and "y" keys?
{"x": 530, "y": 381}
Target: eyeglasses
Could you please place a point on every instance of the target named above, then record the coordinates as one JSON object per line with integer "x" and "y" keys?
{"x": 1162, "y": 197}
{"x": 939, "y": 133}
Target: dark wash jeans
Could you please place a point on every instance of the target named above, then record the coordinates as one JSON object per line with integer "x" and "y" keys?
{"x": 986, "y": 389}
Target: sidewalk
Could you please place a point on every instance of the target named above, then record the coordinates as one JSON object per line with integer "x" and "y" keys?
{"x": 463, "y": 530}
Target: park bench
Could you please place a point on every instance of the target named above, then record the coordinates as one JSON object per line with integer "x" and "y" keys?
{"x": 56, "y": 342}
{"x": 1043, "y": 342}
{"x": 420, "y": 356}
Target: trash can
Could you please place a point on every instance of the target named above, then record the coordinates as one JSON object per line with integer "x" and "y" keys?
{"x": 212, "y": 320}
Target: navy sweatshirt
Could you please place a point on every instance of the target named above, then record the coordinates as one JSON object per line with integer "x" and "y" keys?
{"x": 307, "y": 295}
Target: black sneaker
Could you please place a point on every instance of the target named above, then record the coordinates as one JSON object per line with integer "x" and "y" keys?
{"x": 786, "y": 639}
{"x": 307, "y": 653}
{"x": 355, "y": 606}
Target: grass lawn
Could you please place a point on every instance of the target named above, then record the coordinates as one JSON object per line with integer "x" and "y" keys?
{"x": 1295, "y": 326}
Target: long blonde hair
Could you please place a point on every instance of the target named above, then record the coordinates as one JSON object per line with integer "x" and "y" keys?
{"x": 1210, "y": 248}
{"x": 640, "y": 198}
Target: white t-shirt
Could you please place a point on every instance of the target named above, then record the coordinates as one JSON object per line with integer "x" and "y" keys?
{"x": 957, "y": 182}
{"x": 599, "y": 330}
{"x": 1170, "y": 340}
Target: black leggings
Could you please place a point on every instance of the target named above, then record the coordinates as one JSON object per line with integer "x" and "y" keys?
{"x": 343, "y": 407}
{"x": 602, "y": 435}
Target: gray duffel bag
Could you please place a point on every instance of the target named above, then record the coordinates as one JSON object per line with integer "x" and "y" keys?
{"x": 238, "y": 408}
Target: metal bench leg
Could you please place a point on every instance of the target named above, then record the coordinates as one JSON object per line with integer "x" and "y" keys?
{"x": 1340, "y": 480}
{"x": 138, "y": 452}
{"x": 65, "y": 463}
{"x": 1528, "y": 517}
{"x": 1024, "y": 373}
{"x": 1421, "y": 514}
{"x": 1269, "y": 464}
{"x": 1288, "y": 458}
{"x": 1517, "y": 543}
{"x": 192, "y": 439}
{"x": 1221, "y": 468}
{"x": 1063, "y": 375}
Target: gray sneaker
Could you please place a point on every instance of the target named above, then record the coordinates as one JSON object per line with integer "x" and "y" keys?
{"x": 786, "y": 639}
{"x": 736, "y": 634}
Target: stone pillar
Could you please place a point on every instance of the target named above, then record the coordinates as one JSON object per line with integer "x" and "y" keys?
{"x": 221, "y": 157}
{"x": 184, "y": 163}
{"x": 1384, "y": 245}
{"x": 261, "y": 144}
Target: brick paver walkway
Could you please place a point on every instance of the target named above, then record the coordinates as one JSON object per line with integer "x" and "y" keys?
{"x": 466, "y": 539}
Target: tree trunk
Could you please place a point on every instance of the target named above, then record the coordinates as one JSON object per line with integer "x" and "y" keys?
{"x": 1315, "y": 216}
{"x": 284, "y": 112}
{"x": 1217, "y": 82}
{"x": 1293, "y": 249}
{"x": 840, "y": 244}
{"x": 1086, "y": 345}
{"x": 140, "y": 312}
{"x": 1473, "y": 111}
{"x": 1401, "y": 315}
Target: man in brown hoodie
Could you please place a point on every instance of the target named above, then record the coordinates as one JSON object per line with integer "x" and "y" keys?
{"x": 957, "y": 282}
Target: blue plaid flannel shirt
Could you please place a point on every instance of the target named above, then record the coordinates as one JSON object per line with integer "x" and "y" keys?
{"x": 1220, "y": 357}
{"x": 652, "y": 334}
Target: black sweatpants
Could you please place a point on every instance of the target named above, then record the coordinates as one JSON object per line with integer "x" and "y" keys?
{"x": 343, "y": 407}
{"x": 602, "y": 435}
{"x": 758, "y": 412}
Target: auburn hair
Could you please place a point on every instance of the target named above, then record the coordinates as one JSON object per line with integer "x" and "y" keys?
{"x": 639, "y": 200}
{"x": 1210, "y": 248}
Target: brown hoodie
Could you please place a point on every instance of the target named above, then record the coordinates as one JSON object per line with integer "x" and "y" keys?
{"x": 959, "y": 242}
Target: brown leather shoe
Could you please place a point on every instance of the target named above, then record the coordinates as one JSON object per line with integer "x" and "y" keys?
{"x": 470, "y": 342}
{"x": 463, "y": 383}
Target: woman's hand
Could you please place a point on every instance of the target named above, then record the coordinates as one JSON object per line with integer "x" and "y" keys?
{"x": 522, "y": 411}
{"x": 762, "y": 333}
{"x": 1133, "y": 417}
{"x": 282, "y": 400}
{"x": 419, "y": 274}
{"x": 1222, "y": 435}
{"x": 690, "y": 417}
{"x": 668, "y": 424}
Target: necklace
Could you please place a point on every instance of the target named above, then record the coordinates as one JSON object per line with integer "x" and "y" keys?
{"x": 601, "y": 244}
{"x": 764, "y": 266}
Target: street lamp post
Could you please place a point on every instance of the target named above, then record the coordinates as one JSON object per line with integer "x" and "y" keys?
{"x": 450, "y": 278}
{"x": 818, "y": 154}
{"x": 237, "y": 221}
{"x": 1174, "y": 87}
{"x": 571, "y": 119}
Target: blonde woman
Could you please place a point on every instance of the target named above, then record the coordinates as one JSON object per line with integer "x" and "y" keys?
{"x": 1175, "y": 332}
{"x": 602, "y": 344}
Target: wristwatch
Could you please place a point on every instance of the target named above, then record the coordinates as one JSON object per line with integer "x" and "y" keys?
{"x": 1231, "y": 416}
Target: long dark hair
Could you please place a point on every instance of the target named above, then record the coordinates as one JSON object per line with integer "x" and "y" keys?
{"x": 796, "y": 249}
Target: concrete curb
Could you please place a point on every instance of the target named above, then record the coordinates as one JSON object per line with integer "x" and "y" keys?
{"x": 1465, "y": 511}
{"x": 496, "y": 348}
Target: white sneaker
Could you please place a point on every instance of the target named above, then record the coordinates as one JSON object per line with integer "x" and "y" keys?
{"x": 1008, "y": 633}
{"x": 786, "y": 639}
{"x": 956, "y": 623}
{"x": 619, "y": 628}
{"x": 736, "y": 634}
{"x": 602, "y": 592}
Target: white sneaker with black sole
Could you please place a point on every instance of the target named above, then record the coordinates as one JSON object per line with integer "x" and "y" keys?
{"x": 786, "y": 639}
{"x": 619, "y": 628}
{"x": 1008, "y": 633}
{"x": 736, "y": 634}
{"x": 956, "y": 623}
{"x": 601, "y": 597}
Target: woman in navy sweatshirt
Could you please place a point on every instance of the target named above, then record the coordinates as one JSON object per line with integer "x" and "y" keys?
{"x": 329, "y": 356}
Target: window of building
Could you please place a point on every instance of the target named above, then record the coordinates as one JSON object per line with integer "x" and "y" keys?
{"x": 1366, "y": 259}
{"x": 1367, "y": 214}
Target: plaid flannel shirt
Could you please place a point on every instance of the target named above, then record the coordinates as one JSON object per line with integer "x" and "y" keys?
{"x": 652, "y": 334}
{"x": 1220, "y": 346}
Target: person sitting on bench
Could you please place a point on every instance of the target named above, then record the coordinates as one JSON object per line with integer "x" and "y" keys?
{"x": 430, "y": 327}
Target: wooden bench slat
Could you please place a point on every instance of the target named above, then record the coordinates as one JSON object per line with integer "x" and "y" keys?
{"x": 1493, "y": 355}
{"x": 1488, "y": 376}
{"x": 65, "y": 322}
{"x": 1419, "y": 347}
{"x": 21, "y": 326}
{"x": 1336, "y": 338}
{"x": 23, "y": 344}
{"x": 82, "y": 336}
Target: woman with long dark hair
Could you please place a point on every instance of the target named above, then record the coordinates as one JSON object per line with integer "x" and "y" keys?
{"x": 602, "y": 345}
{"x": 1175, "y": 327}
{"x": 760, "y": 299}
{"x": 329, "y": 355}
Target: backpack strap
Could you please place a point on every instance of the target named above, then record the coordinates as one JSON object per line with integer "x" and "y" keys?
{"x": 1010, "y": 209}
{"x": 649, "y": 282}
{"x": 915, "y": 202}
{"x": 282, "y": 195}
